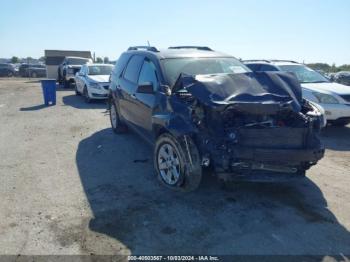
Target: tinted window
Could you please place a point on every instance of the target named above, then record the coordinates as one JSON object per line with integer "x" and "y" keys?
{"x": 24, "y": 66}
{"x": 133, "y": 68}
{"x": 120, "y": 64}
{"x": 253, "y": 67}
{"x": 268, "y": 68}
{"x": 148, "y": 74}
{"x": 77, "y": 61}
{"x": 54, "y": 60}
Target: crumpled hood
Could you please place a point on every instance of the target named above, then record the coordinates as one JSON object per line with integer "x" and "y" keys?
{"x": 328, "y": 87}
{"x": 258, "y": 93}
{"x": 99, "y": 78}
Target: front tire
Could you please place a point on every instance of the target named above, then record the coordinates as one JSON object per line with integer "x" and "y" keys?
{"x": 177, "y": 163}
{"x": 86, "y": 95}
{"x": 76, "y": 90}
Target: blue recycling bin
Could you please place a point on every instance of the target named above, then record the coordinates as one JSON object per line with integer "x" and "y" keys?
{"x": 49, "y": 91}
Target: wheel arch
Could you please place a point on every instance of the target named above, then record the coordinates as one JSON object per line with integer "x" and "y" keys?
{"x": 176, "y": 126}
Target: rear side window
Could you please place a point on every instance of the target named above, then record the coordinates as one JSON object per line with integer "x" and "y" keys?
{"x": 268, "y": 68}
{"x": 254, "y": 67}
{"x": 120, "y": 64}
{"x": 133, "y": 68}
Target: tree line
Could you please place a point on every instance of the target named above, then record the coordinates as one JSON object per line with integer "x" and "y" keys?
{"x": 329, "y": 68}
{"x": 316, "y": 66}
{"x": 16, "y": 60}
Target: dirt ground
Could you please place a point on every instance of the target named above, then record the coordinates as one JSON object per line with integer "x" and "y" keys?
{"x": 69, "y": 185}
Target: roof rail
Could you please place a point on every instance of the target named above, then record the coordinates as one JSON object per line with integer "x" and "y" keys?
{"x": 257, "y": 60}
{"x": 203, "y": 48}
{"x": 282, "y": 60}
{"x": 148, "y": 48}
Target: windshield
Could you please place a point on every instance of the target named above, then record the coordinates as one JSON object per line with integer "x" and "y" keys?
{"x": 77, "y": 61}
{"x": 304, "y": 74}
{"x": 100, "y": 70}
{"x": 173, "y": 67}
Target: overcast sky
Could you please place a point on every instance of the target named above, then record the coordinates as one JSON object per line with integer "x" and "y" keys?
{"x": 302, "y": 30}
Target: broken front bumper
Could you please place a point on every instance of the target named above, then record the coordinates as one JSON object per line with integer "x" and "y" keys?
{"x": 287, "y": 156}
{"x": 266, "y": 165}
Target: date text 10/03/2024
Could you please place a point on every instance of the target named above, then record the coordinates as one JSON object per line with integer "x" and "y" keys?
{"x": 173, "y": 258}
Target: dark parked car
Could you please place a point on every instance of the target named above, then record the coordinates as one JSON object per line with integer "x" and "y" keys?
{"x": 7, "y": 70}
{"x": 342, "y": 78}
{"x": 32, "y": 70}
{"x": 201, "y": 108}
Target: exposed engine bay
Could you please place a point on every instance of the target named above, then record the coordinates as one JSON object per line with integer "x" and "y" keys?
{"x": 253, "y": 126}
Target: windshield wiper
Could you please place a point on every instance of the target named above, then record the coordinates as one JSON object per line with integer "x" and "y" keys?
{"x": 315, "y": 82}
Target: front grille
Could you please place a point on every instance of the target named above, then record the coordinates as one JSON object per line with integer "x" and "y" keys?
{"x": 346, "y": 97}
{"x": 99, "y": 95}
{"x": 278, "y": 137}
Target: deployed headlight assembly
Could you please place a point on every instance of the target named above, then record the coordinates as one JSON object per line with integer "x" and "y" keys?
{"x": 325, "y": 98}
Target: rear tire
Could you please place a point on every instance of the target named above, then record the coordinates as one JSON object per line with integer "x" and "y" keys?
{"x": 59, "y": 77}
{"x": 177, "y": 165}
{"x": 66, "y": 84}
{"x": 118, "y": 126}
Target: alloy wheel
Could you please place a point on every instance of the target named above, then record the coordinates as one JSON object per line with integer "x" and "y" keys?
{"x": 169, "y": 164}
{"x": 114, "y": 117}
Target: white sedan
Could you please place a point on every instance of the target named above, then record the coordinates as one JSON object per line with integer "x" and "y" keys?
{"x": 92, "y": 81}
{"x": 333, "y": 97}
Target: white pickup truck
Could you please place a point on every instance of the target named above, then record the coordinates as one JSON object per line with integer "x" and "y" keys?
{"x": 69, "y": 67}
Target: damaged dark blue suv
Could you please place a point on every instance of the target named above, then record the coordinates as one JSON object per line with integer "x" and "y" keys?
{"x": 201, "y": 108}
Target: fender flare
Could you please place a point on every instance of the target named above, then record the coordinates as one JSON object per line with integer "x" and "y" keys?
{"x": 173, "y": 124}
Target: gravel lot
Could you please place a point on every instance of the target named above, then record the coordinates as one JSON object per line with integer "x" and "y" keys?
{"x": 68, "y": 185}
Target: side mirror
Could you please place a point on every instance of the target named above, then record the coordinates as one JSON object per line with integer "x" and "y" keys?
{"x": 145, "y": 88}
{"x": 166, "y": 89}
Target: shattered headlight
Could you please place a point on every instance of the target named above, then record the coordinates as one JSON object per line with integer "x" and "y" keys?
{"x": 325, "y": 98}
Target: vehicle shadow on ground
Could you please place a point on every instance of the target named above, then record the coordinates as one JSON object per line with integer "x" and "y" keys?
{"x": 130, "y": 206}
{"x": 33, "y": 108}
{"x": 78, "y": 102}
{"x": 36, "y": 80}
{"x": 336, "y": 138}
